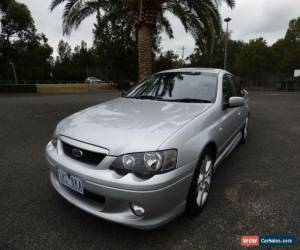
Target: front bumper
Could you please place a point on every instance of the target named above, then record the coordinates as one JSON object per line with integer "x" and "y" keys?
{"x": 163, "y": 196}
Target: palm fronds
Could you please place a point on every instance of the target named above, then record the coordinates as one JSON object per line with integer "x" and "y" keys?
{"x": 201, "y": 18}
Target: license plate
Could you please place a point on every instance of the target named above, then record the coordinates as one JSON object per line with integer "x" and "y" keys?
{"x": 70, "y": 181}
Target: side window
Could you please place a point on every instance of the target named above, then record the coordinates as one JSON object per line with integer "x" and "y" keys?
{"x": 237, "y": 86}
{"x": 227, "y": 90}
{"x": 232, "y": 86}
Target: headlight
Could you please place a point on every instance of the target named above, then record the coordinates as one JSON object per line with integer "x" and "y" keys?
{"x": 153, "y": 161}
{"x": 146, "y": 164}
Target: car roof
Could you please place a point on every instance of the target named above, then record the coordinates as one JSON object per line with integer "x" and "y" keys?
{"x": 196, "y": 70}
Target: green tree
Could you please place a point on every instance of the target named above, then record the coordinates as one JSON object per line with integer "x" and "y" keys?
{"x": 254, "y": 60}
{"x": 36, "y": 52}
{"x": 84, "y": 62}
{"x": 16, "y": 20}
{"x": 200, "y": 18}
{"x": 291, "y": 59}
{"x": 293, "y": 32}
{"x": 214, "y": 57}
{"x": 63, "y": 69}
{"x": 82, "y": 58}
{"x": 74, "y": 65}
{"x": 167, "y": 60}
{"x": 286, "y": 51}
{"x": 76, "y": 11}
{"x": 279, "y": 50}
{"x": 4, "y": 5}
{"x": 21, "y": 45}
{"x": 115, "y": 46}
{"x": 64, "y": 51}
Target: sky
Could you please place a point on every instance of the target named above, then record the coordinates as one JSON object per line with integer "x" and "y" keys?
{"x": 250, "y": 19}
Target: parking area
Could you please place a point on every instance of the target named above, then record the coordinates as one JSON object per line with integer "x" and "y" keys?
{"x": 256, "y": 191}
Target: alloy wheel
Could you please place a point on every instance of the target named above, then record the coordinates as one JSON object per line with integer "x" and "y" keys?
{"x": 204, "y": 181}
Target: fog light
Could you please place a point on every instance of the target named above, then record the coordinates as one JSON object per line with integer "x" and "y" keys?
{"x": 137, "y": 210}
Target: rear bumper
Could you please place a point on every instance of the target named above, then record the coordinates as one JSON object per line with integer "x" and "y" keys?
{"x": 163, "y": 198}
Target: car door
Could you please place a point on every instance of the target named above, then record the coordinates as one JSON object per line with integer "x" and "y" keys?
{"x": 242, "y": 111}
{"x": 230, "y": 121}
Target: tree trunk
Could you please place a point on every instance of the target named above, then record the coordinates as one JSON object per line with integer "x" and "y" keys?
{"x": 145, "y": 36}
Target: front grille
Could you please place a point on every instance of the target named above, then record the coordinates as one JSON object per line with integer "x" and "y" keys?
{"x": 88, "y": 157}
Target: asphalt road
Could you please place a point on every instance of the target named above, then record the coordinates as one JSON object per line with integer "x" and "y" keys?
{"x": 255, "y": 191}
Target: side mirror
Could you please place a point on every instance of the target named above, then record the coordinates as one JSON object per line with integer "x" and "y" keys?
{"x": 236, "y": 102}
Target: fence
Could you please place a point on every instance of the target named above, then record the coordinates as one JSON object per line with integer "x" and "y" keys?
{"x": 20, "y": 82}
{"x": 54, "y": 88}
{"x": 284, "y": 82}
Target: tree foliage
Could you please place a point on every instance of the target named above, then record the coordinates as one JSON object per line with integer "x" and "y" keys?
{"x": 293, "y": 32}
{"x": 255, "y": 58}
{"x": 114, "y": 56}
{"x": 74, "y": 65}
{"x": 167, "y": 60}
{"x": 200, "y": 18}
{"x": 215, "y": 59}
{"x": 20, "y": 45}
{"x": 115, "y": 45}
{"x": 16, "y": 20}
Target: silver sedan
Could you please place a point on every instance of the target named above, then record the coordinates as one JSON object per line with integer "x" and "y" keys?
{"x": 146, "y": 157}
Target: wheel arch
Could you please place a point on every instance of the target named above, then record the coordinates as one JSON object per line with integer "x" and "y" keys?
{"x": 213, "y": 147}
{"x": 191, "y": 208}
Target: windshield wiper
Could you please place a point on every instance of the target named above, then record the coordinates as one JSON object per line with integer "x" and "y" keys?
{"x": 146, "y": 97}
{"x": 189, "y": 100}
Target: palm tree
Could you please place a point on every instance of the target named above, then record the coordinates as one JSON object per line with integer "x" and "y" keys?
{"x": 75, "y": 11}
{"x": 199, "y": 17}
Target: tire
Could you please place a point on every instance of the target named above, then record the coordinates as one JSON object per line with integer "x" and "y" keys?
{"x": 244, "y": 131}
{"x": 201, "y": 183}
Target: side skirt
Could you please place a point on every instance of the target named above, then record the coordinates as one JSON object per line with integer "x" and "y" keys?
{"x": 228, "y": 150}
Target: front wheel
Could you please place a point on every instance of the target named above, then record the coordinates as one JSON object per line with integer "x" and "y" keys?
{"x": 201, "y": 183}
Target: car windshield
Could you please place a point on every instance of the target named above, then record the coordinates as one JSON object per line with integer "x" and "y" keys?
{"x": 177, "y": 87}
